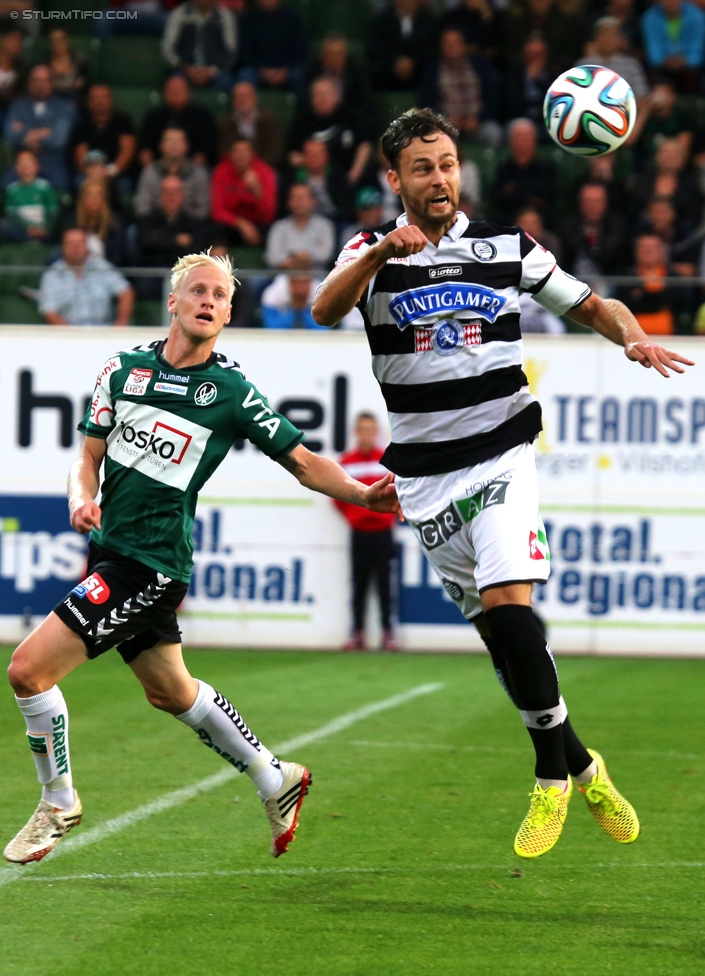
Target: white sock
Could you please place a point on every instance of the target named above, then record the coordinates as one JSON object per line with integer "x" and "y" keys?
{"x": 47, "y": 720}
{"x": 220, "y": 727}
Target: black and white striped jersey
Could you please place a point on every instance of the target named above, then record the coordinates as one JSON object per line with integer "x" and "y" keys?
{"x": 443, "y": 328}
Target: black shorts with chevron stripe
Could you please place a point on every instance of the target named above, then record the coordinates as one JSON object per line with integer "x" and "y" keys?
{"x": 122, "y": 603}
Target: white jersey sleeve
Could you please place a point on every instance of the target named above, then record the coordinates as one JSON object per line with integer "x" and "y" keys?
{"x": 551, "y": 287}
{"x": 356, "y": 247}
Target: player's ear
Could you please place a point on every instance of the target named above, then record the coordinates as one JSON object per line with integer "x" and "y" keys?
{"x": 393, "y": 180}
{"x": 229, "y": 315}
{"x": 171, "y": 303}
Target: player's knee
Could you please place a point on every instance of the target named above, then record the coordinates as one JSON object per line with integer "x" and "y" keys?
{"x": 167, "y": 700}
{"x": 23, "y": 676}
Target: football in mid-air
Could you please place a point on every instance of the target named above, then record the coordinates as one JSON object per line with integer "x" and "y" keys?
{"x": 589, "y": 110}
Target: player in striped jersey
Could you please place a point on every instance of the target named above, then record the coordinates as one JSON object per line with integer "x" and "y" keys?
{"x": 439, "y": 295}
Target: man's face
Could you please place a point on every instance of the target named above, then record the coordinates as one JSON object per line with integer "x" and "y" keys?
{"x": 334, "y": 53}
{"x": 428, "y": 178}
{"x": 453, "y": 47}
{"x": 366, "y": 434}
{"x": 608, "y": 42}
{"x": 267, "y": 5}
{"x": 324, "y": 97}
{"x": 315, "y": 156}
{"x": 371, "y": 216}
{"x": 522, "y": 142}
{"x": 171, "y": 194}
{"x": 593, "y": 204}
{"x": 27, "y": 167}
{"x": 662, "y": 216}
{"x": 174, "y": 144}
{"x": 649, "y": 251}
{"x": 301, "y": 202}
{"x": 241, "y": 155}
{"x": 535, "y": 52}
{"x": 244, "y": 97}
{"x": 39, "y": 85}
{"x": 201, "y": 304}
{"x": 74, "y": 248}
{"x": 672, "y": 8}
{"x": 12, "y": 43}
{"x": 670, "y": 157}
{"x": 100, "y": 101}
{"x": 299, "y": 289}
{"x": 531, "y": 222}
{"x": 176, "y": 93}
{"x": 539, "y": 8}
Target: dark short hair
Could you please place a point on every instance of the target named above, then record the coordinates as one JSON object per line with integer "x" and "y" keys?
{"x": 365, "y": 415}
{"x": 417, "y": 123}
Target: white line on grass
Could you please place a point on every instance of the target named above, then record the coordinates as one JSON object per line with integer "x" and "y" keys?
{"x": 174, "y": 799}
{"x": 305, "y": 872}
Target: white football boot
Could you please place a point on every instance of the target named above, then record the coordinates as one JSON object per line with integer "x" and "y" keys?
{"x": 283, "y": 806}
{"x": 42, "y": 832}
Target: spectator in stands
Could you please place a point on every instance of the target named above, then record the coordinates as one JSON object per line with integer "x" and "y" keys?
{"x": 105, "y": 234}
{"x": 107, "y": 129}
{"x": 69, "y": 70}
{"x": 369, "y": 212}
{"x": 678, "y": 234}
{"x": 477, "y": 22}
{"x": 31, "y": 206}
{"x": 668, "y": 177}
{"x": 452, "y": 86}
{"x": 607, "y": 49}
{"x": 594, "y": 239}
{"x": 336, "y": 63}
{"x": 391, "y": 201}
{"x": 629, "y": 24}
{"x": 248, "y": 121}
{"x": 174, "y": 161}
{"x": 13, "y": 71}
{"x": 523, "y": 180}
{"x": 274, "y": 46}
{"x": 531, "y": 221}
{"x": 563, "y": 32}
{"x": 651, "y": 300}
{"x": 329, "y": 186}
{"x": 80, "y": 290}
{"x": 167, "y": 233}
{"x": 524, "y": 87}
{"x": 243, "y": 195}
{"x": 602, "y": 170}
{"x": 400, "y": 40}
{"x": 10, "y": 10}
{"x": 286, "y": 303}
{"x": 42, "y": 122}
{"x": 674, "y": 38}
{"x": 660, "y": 118}
{"x": 243, "y": 301}
{"x": 348, "y": 136}
{"x": 303, "y": 240}
{"x": 179, "y": 112}
{"x": 200, "y": 41}
{"x": 151, "y": 18}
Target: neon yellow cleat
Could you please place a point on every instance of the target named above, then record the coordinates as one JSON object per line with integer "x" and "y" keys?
{"x": 543, "y": 824}
{"x": 612, "y": 812}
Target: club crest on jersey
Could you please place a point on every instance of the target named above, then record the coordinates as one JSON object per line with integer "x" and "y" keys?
{"x": 484, "y": 251}
{"x": 432, "y": 300}
{"x": 205, "y": 394}
{"x": 448, "y": 337}
{"x": 137, "y": 382}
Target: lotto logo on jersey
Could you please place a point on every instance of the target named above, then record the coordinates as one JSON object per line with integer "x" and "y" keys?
{"x": 137, "y": 382}
{"x": 94, "y": 588}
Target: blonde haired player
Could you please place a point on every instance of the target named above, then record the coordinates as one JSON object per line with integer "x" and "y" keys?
{"x": 162, "y": 418}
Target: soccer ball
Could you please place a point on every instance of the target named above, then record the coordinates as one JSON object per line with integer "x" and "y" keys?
{"x": 589, "y": 110}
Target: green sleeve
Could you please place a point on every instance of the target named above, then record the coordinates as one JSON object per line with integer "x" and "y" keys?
{"x": 270, "y": 431}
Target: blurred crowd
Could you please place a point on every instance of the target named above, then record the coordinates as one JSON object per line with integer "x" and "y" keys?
{"x": 103, "y": 189}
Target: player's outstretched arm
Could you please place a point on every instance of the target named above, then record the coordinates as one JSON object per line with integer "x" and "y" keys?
{"x": 613, "y": 320}
{"x": 322, "y": 474}
{"x": 84, "y": 481}
{"x": 343, "y": 288}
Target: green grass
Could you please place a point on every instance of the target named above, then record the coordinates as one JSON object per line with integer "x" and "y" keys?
{"x": 403, "y": 864}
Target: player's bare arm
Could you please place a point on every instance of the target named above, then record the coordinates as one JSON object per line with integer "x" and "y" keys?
{"x": 84, "y": 481}
{"x": 322, "y": 474}
{"x": 615, "y": 322}
{"x": 343, "y": 288}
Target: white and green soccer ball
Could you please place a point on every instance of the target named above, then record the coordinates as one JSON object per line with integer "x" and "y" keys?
{"x": 589, "y": 110}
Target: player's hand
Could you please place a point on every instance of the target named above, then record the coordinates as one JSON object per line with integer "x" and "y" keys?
{"x": 649, "y": 355}
{"x": 402, "y": 242}
{"x": 86, "y": 517}
{"x": 382, "y": 496}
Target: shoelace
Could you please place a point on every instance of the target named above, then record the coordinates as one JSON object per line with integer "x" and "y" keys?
{"x": 599, "y": 795}
{"x": 543, "y": 806}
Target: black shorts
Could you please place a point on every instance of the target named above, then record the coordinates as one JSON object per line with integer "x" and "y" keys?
{"x": 122, "y": 603}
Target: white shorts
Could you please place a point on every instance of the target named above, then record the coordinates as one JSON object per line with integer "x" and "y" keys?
{"x": 480, "y": 526}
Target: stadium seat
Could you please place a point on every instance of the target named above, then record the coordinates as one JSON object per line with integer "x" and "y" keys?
{"x": 248, "y": 257}
{"x": 148, "y": 312}
{"x": 31, "y": 254}
{"x": 35, "y": 49}
{"x": 132, "y": 61}
{"x": 135, "y": 101}
{"x": 343, "y": 16}
{"x": 281, "y": 104}
{"x": 391, "y": 104}
{"x": 216, "y": 102}
{"x": 19, "y": 311}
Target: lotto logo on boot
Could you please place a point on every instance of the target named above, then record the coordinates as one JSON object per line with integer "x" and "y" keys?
{"x": 94, "y": 587}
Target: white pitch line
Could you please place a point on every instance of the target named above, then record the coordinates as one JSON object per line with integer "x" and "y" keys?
{"x": 312, "y": 872}
{"x": 174, "y": 799}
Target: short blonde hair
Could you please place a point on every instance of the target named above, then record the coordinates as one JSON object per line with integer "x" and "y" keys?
{"x": 204, "y": 259}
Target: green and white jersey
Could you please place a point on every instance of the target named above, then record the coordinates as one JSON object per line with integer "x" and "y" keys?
{"x": 167, "y": 430}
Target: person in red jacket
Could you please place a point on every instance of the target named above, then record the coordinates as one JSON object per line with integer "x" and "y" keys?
{"x": 243, "y": 195}
{"x": 372, "y": 543}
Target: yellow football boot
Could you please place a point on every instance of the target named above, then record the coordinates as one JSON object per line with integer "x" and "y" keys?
{"x": 612, "y": 812}
{"x": 543, "y": 824}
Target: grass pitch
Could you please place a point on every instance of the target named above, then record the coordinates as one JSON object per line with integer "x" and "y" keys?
{"x": 404, "y": 862}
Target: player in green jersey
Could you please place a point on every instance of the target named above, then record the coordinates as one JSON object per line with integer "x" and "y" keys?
{"x": 161, "y": 420}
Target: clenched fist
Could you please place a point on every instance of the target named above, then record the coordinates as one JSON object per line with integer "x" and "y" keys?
{"x": 402, "y": 242}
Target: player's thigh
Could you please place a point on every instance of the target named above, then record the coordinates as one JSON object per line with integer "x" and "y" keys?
{"x": 46, "y": 656}
{"x": 162, "y": 672}
{"x": 454, "y": 564}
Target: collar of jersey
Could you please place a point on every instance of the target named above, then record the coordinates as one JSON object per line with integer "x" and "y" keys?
{"x": 158, "y": 349}
{"x": 454, "y": 233}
